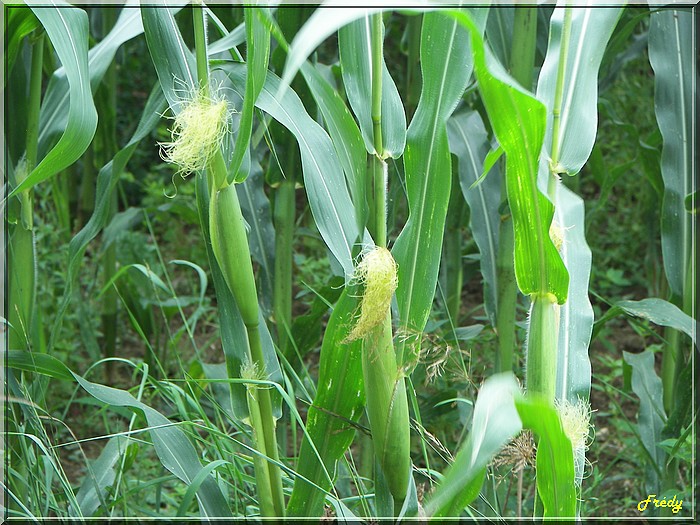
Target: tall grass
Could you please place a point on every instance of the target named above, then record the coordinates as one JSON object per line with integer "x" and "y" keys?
{"x": 481, "y": 120}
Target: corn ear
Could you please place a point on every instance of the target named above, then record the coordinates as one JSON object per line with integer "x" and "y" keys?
{"x": 230, "y": 245}
{"x": 387, "y": 408}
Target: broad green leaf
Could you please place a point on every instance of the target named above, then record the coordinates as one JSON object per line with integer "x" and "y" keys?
{"x": 576, "y": 314}
{"x": 446, "y": 68}
{"x": 518, "y": 121}
{"x": 257, "y": 57}
{"x": 651, "y": 418}
{"x": 469, "y": 142}
{"x": 175, "y": 451}
{"x": 661, "y": 313}
{"x": 345, "y": 135}
{"x": 356, "y": 62}
{"x": 255, "y": 207}
{"x": 100, "y": 476}
{"x": 499, "y": 31}
{"x": 324, "y": 181}
{"x": 67, "y": 28}
{"x": 19, "y": 23}
{"x": 106, "y": 182}
{"x": 54, "y": 111}
{"x": 494, "y": 424}
{"x": 555, "y": 458}
{"x": 342, "y": 128}
{"x": 672, "y": 57}
{"x": 590, "y": 31}
{"x": 322, "y": 24}
{"x": 174, "y": 63}
{"x": 335, "y": 410}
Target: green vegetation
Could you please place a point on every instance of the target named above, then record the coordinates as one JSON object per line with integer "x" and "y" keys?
{"x": 307, "y": 262}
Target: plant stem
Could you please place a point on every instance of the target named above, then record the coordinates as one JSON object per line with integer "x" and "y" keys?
{"x": 284, "y": 219}
{"x": 230, "y": 244}
{"x": 507, "y": 295}
{"x": 559, "y": 89}
{"x": 452, "y": 251}
{"x": 543, "y": 329}
{"x": 21, "y": 250}
{"x": 377, "y": 38}
{"x": 523, "y": 45}
{"x": 109, "y": 264}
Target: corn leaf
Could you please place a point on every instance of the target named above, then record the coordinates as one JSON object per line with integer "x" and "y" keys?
{"x": 257, "y": 57}
{"x": 576, "y": 315}
{"x": 660, "y": 312}
{"x": 590, "y": 31}
{"x": 324, "y": 181}
{"x": 67, "y": 28}
{"x": 19, "y": 23}
{"x": 672, "y": 57}
{"x": 345, "y": 135}
{"x": 336, "y": 408}
{"x": 494, "y": 424}
{"x": 446, "y": 68}
{"x": 469, "y": 142}
{"x": 518, "y": 121}
{"x": 174, "y": 63}
{"x": 174, "y": 449}
{"x": 322, "y": 24}
{"x": 356, "y": 63}
{"x": 100, "y": 476}
{"x": 256, "y": 210}
{"x": 55, "y": 108}
{"x": 651, "y": 418}
{"x": 555, "y": 458}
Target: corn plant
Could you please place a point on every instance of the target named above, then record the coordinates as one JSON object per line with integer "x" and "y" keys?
{"x": 487, "y": 126}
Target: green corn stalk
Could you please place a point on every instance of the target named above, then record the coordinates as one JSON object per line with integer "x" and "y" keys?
{"x": 22, "y": 265}
{"x": 385, "y": 390}
{"x": 230, "y": 246}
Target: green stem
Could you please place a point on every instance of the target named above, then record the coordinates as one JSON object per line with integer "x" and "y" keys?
{"x": 559, "y": 89}
{"x": 267, "y": 424}
{"x": 413, "y": 78}
{"x": 264, "y": 490}
{"x": 230, "y": 245}
{"x": 21, "y": 252}
{"x": 109, "y": 265}
{"x": 523, "y": 45}
{"x": 452, "y": 248}
{"x": 506, "y": 295}
{"x": 377, "y": 174}
{"x": 377, "y": 56}
{"x": 284, "y": 217}
{"x": 543, "y": 329}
